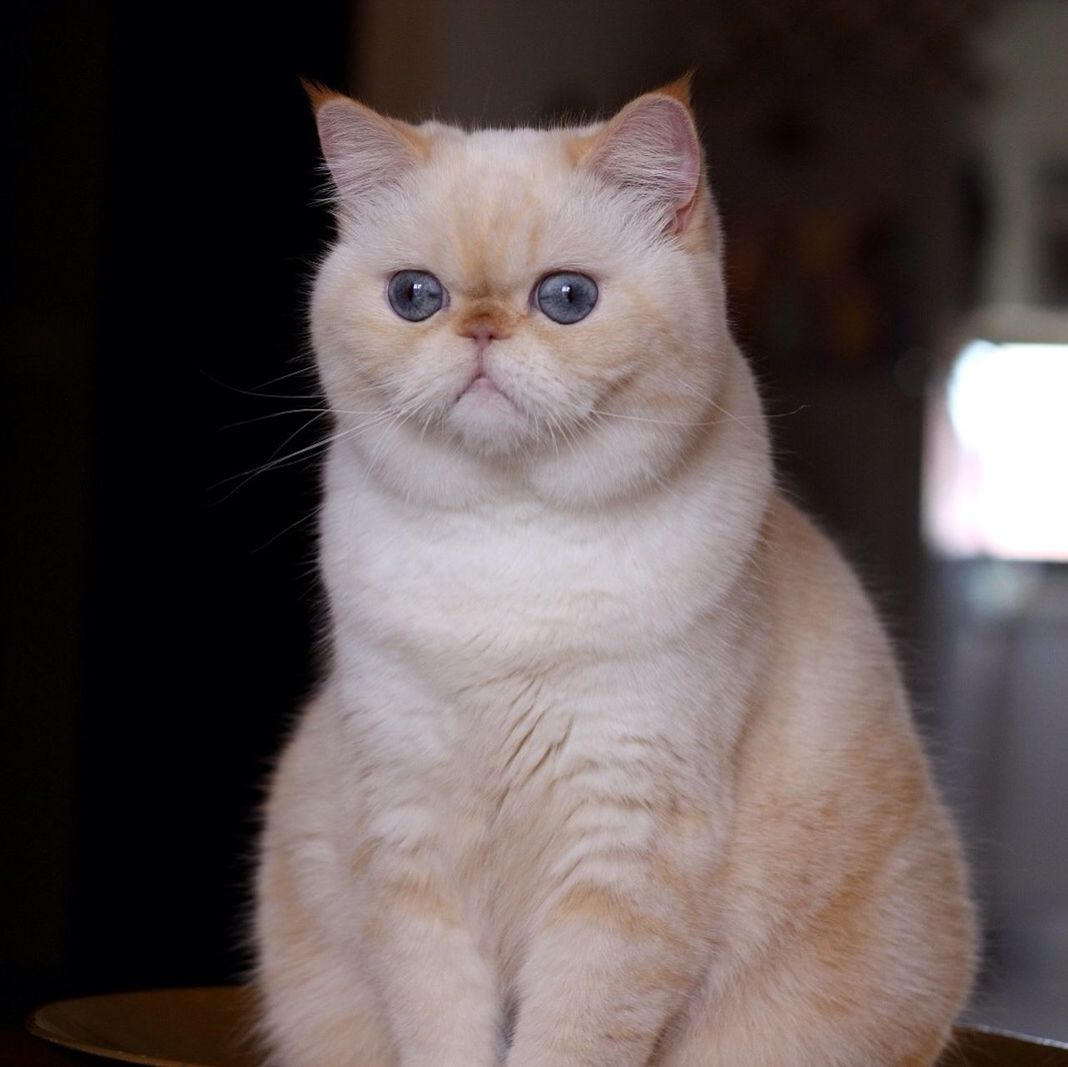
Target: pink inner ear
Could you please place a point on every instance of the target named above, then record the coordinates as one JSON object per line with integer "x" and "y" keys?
{"x": 652, "y": 146}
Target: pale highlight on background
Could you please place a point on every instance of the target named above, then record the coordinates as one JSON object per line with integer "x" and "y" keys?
{"x": 995, "y": 481}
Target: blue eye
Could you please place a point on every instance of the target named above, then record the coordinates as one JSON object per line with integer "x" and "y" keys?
{"x": 566, "y": 297}
{"x": 415, "y": 294}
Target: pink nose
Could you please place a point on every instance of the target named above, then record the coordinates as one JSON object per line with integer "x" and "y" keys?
{"x": 482, "y": 331}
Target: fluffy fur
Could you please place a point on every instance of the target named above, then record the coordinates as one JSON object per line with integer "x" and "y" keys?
{"x": 612, "y": 765}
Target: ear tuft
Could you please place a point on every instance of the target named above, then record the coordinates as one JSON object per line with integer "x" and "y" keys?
{"x": 680, "y": 89}
{"x": 364, "y": 151}
{"x": 652, "y": 148}
{"x": 317, "y": 93}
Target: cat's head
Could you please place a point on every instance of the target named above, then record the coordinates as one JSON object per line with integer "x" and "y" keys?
{"x": 541, "y": 306}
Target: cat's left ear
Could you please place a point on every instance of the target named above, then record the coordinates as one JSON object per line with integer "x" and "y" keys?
{"x": 652, "y": 147}
{"x": 364, "y": 151}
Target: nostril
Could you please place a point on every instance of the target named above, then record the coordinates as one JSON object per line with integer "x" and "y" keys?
{"x": 482, "y": 335}
{"x": 481, "y": 332}
{"x": 482, "y": 329}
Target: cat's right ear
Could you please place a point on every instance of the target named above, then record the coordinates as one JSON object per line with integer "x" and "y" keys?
{"x": 651, "y": 147}
{"x": 364, "y": 151}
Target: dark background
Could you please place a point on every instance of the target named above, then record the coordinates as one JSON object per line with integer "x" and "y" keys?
{"x": 158, "y": 626}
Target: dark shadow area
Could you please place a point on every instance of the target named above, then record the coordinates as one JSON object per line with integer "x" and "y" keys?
{"x": 160, "y": 610}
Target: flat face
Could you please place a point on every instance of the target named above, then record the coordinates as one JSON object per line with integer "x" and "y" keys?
{"x": 560, "y": 305}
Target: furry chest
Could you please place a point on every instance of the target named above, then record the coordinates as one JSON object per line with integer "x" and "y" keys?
{"x": 479, "y": 602}
{"x": 538, "y": 778}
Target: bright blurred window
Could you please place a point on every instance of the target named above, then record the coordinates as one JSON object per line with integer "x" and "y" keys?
{"x": 996, "y": 470}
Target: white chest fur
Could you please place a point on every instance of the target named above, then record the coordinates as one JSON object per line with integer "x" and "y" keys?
{"x": 543, "y": 671}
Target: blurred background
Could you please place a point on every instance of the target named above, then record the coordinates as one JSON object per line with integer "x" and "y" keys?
{"x": 894, "y": 183}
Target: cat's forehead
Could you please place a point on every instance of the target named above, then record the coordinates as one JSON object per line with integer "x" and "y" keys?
{"x": 491, "y": 149}
{"x": 491, "y": 206}
{"x": 492, "y": 181}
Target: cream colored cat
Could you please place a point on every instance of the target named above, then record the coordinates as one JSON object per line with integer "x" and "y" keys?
{"x": 612, "y": 765}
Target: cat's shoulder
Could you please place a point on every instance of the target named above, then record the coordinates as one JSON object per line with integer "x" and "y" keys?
{"x": 815, "y": 579}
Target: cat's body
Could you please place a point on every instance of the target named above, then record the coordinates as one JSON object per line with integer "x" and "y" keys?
{"x": 613, "y": 766}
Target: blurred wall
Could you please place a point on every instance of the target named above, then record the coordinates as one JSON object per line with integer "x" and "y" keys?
{"x": 507, "y": 63}
{"x": 998, "y": 640}
{"x": 1021, "y": 129}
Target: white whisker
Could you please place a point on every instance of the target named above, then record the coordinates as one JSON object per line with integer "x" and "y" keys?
{"x": 316, "y": 446}
{"x": 275, "y": 415}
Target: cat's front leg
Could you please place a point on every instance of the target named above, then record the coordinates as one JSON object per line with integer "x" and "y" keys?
{"x": 439, "y": 992}
{"x": 611, "y": 964}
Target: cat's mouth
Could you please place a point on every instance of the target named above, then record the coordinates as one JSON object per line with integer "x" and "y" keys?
{"x": 482, "y": 389}
{"x": 486, "y": 416}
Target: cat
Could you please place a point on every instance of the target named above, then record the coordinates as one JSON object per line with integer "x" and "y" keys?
{"x": 612, "y": 765}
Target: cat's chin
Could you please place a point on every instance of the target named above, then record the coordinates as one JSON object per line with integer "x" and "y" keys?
{"x": 485, "y": 420}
